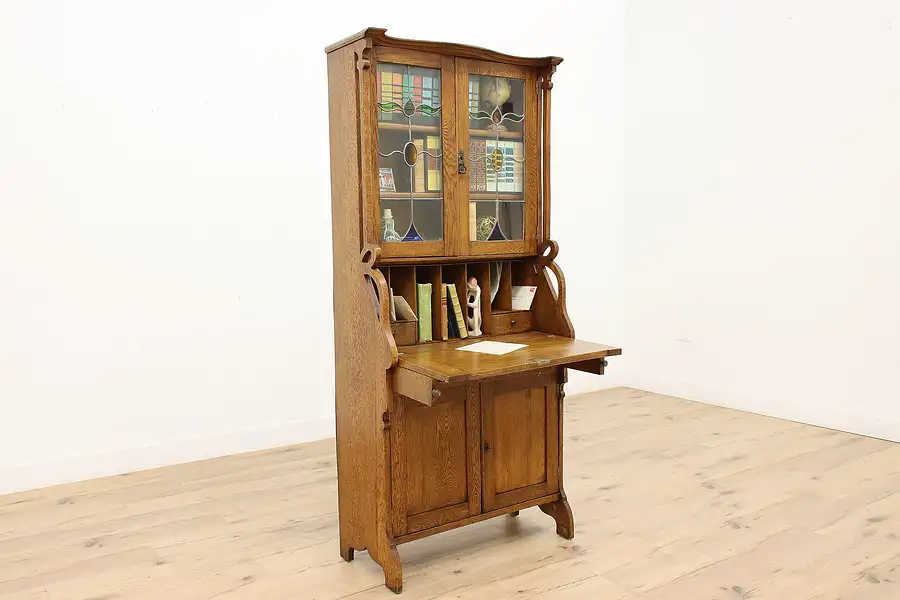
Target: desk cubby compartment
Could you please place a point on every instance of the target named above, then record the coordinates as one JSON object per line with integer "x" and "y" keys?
{"x": 402, "y": 281}
{"x": 498, "y": 316}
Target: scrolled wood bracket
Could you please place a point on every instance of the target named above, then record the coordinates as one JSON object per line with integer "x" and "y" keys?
{"x": 552, "y": 303}
{"x": 370, "y": 257}
{"x": 363, "y": 52}
{"x": 547, "y": 77}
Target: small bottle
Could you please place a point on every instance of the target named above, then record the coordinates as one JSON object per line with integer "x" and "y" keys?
{"x": 388, "y": 233}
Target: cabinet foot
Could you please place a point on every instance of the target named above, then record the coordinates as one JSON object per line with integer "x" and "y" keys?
{"x": 346, "y": 552}
{"x": 393, "y": 572}
{"x": 514, "y": 513}
{"x": 562, "y": 514}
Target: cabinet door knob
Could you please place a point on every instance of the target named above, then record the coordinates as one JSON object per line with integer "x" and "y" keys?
{"x": 461, "y": 163}
{"x": 486, "y": 447}
{"x": 435, "y": 393}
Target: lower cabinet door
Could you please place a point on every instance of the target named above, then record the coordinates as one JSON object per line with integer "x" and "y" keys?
{"x": 435, "y": 460}
{"x": 520, "y": 449}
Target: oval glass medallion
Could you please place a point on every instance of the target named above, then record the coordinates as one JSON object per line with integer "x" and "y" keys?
{"x": 410, "y": 154}
{"x": 496, "y": 159}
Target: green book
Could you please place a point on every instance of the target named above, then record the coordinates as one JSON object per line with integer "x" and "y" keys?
{"x": 423, "y": 301}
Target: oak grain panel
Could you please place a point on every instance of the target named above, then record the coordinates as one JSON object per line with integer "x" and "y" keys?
{"x": 435, "y": 454}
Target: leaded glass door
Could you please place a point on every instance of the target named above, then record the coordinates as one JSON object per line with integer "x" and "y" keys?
{"x": 416, "y": 136}
{"x": 498, "y": 127}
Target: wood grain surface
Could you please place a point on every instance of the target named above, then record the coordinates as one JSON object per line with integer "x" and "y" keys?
{"x": 443, "y": 362}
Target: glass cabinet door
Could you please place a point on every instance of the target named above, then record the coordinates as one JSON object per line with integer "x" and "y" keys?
{"x": 410, "y": 111}
{"x": 499, "y": 127}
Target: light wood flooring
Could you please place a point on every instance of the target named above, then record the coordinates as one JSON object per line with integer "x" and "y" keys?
{"x": 673, "y": 500}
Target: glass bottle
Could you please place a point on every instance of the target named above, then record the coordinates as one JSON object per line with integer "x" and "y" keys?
{"x": 388, "y": 233}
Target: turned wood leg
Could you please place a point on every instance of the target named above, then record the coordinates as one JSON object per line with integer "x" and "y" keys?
{"x": 562, "y": 514}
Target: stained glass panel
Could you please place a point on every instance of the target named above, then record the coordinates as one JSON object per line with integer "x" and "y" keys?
{"x": 410, "y": 160}
{"x": 496, "y": 158}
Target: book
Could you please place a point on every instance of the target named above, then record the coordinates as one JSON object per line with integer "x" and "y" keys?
{"x": 386, "y": 179}
{"x": 477, "y": 165}
{"x": 457, "y": 312}
{"x": 419, "y": 167}
{"x": 404, "y": 310}
{"x": 510, "y": 176}
{"x": 445, "y": 332}
{"x": 522, "y": 296}
{"x": 433, "y": 168}
{"x": 452, "y": 329}
{"x": 423, "y": 301}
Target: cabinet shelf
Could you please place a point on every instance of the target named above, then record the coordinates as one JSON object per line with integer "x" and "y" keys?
{"x": 507, "y": 197}
{"x": 504, "y": 135}
{"x": 403, "y": 127}
{"x": 434, "y": 129}
{"x": 406, "y": 196}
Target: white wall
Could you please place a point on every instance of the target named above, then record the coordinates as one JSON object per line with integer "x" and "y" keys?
{"x": 164, "y": 217}
{"x": 763, "y": 202}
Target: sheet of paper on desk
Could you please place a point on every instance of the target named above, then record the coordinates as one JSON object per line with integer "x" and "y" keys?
{"x": 487, "y": 347}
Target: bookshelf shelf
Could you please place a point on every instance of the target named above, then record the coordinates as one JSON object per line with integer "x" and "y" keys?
{"x": 503, "y": 135}
{"x": 406, "y": 195}
{"x": 487, "y": 196}
{"x": 430, "y": 438}
{"x": 404, "y": 128}
{"x": 434, "y": 129}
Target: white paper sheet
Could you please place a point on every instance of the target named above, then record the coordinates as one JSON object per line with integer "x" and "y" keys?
{"x": 488, "y": 347}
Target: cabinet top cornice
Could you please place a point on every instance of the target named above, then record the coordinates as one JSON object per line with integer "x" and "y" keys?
{"x": 379, "y": 37}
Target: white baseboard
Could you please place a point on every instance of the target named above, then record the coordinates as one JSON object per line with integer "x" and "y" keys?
{"x": 77, "y": 468}
{"x": 842, "y": 418}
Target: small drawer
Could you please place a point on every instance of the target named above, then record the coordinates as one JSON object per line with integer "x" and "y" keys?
{"x": 405, "y": 332}
{"x": 516, "y": 321}
{"x": 424, "y": 389}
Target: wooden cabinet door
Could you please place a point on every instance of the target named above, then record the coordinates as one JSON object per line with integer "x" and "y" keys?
{"x": 520, "y": 418}
{"x": 498, "y": 131}
{"x": 435, "y": 460}
{"x": 411, "y": 181}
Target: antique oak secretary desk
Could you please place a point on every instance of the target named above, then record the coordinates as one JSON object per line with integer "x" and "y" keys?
{"x": 440, "y": 172}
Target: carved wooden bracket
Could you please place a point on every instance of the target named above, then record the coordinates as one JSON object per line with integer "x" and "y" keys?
{"x": 363, "y": 52}
{"x": 550, "y": 304}
{"x": 547, "y": 77}
{"x": 369, "y": 259}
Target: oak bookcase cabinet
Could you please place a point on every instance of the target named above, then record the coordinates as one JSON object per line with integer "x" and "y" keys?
{"x": 440, "y": 171}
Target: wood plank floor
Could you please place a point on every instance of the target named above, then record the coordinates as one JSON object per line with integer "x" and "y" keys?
{"x": 673, "y": 500}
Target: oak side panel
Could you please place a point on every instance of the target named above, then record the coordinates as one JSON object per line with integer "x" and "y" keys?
{"x": 361, "y": 386}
